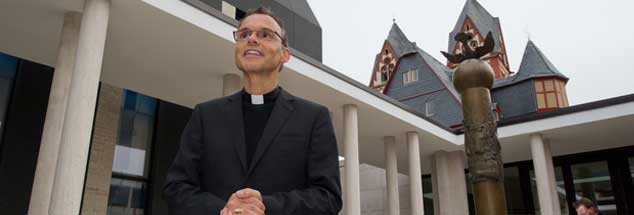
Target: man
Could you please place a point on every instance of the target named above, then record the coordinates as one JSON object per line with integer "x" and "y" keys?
{"x": 585, "y": 206}
{"x": 261, "y": 150}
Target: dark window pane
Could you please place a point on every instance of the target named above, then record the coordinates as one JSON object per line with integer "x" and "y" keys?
{"x": 119, "y": 194}
{"x": 515, "y": 202}
{"x": 129, "y": 100}
{"x": 128, "y": 197}
{"x": 8, "y": 67}
{"x": 592, "y": 181}
{"x": 138, "y": 198}
{"x": 428, "y": 195}
{"x": 561, "y": 191}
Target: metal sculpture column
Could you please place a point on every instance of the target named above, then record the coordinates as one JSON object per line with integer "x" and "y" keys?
{"x": 473, "y": 78}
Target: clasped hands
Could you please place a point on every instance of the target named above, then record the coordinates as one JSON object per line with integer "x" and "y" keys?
{"x": 244, "y": 202}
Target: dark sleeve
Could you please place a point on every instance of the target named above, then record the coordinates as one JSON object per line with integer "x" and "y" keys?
{"x": 182, "y": 187}
{"x": 323, "y": 195}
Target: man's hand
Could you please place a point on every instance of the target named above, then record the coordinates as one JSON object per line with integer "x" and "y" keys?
{"x": 244, "y": 202}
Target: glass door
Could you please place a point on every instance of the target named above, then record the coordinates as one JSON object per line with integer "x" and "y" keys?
{"x": 592, "y": 181}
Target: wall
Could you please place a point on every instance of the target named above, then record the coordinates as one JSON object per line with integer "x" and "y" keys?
{"x": 104, "y": 139}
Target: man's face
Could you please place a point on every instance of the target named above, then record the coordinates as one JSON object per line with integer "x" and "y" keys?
{"x": 583, "y": 210}
{"x": 253, "y": 55}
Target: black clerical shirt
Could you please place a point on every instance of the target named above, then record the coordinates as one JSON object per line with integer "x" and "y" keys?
{"x": 255, "y": 117}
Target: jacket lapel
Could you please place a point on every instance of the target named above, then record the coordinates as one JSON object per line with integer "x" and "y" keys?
{"x": 279, "y": 115}
{"x": 234, "y": 123}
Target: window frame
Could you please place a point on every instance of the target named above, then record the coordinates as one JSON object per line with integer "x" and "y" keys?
{"x": 558, "y": 89}
{"x": 144, "y": 179}
{"x": 410, "y": 76}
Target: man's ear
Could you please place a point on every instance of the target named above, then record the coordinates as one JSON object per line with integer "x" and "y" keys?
{"x": 286, "y": 54}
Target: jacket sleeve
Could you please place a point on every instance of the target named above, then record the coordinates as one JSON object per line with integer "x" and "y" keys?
{"x": 323, "y": 194}
{"x": 182, "y": 189}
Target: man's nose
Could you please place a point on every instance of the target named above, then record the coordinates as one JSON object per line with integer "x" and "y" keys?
{"x": 252, "y": 37}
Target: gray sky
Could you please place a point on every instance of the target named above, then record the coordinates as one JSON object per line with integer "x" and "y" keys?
{"x": 591, "y": 42}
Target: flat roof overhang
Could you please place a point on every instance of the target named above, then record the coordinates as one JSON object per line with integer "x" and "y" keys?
{"x": 176, "y": 52}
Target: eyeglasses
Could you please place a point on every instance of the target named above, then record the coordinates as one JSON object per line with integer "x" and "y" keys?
{"x": 264, "y": 34}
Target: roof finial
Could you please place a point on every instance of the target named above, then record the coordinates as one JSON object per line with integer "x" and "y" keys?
{"x": 393, "y": 17}
{"x": 528, "y": 33}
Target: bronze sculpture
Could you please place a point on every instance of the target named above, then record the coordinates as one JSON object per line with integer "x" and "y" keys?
{"x": 473, "y": 78}
{"x": 467, "y": 51}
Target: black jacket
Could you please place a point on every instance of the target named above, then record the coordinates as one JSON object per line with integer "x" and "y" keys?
{"x": 295, "y": 165}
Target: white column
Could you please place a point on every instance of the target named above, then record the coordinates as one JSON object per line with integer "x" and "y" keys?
{"x": 231, "y": 83}
{"x": 415, "y": 180}
{"x": 351, "y": 153}
{"x": 449, "y": 184}
{"x": 544, "y": 175}
{"x": 78, "y": 120}
{"x": 53, "y": 125}
{"x": 391, "y": 175}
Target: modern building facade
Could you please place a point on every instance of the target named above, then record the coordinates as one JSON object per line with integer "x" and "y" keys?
{"x": 94, "y": 95}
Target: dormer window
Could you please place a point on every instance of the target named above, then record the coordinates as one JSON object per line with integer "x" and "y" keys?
{"x": 429, "y": 108}
{"x": 410, "y": 76}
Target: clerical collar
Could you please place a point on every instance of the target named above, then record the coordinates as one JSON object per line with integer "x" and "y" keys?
{"x": 269, "y": 97}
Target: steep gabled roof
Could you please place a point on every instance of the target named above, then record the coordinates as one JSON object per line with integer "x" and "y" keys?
{"x": 534, "y": 64}
{"x": 399, "y": 42}
{"x": 441, "y": 70}
{"x": 483, "y": 21}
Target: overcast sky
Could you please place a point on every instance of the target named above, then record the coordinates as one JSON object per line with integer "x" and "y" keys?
{"x": 591, "y": 42}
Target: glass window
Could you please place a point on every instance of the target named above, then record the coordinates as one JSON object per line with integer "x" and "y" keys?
{"x": 561, "y": 191}
{"x": 564, "y": 95}
{"x": 127, "y": 197}
{"x": 539, "y": 86}
{"x": 228, "y": 9}
{"x": 8, "y": 67}
{"x": 515, "y": 202}
{"x": 428, "y": 195}
{"x": 592, "y": 181}
{"x": 548, "y": 85}
{"x": 541, "y": 101}
{"x": 132, "y": 155}
{"x": 551, "y": 99}
{"x": 135, "y": 134}
{"x": 429, "y": 108}
{"x": 410, "y": 76}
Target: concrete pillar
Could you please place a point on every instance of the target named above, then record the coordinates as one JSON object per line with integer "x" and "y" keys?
{"x": 544, "y": 175}
{"x": 73, "y": 155}
{"x": 448, "y": 182}
{"x": 231, "y": 83}
{"x": 391, "y": 175}
{"x": 415, "y": 180}
{"x": 53, "y": 125}
{"x": 352, "y": 191}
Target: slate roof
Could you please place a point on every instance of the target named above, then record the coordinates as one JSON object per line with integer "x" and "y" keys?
{"x": 483, "y": 20}
{"x": 441, "y": 71}
{"x": 399, "y": 42}
{"x": 534, "y": 64}
{"x": 402, "y": 46}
